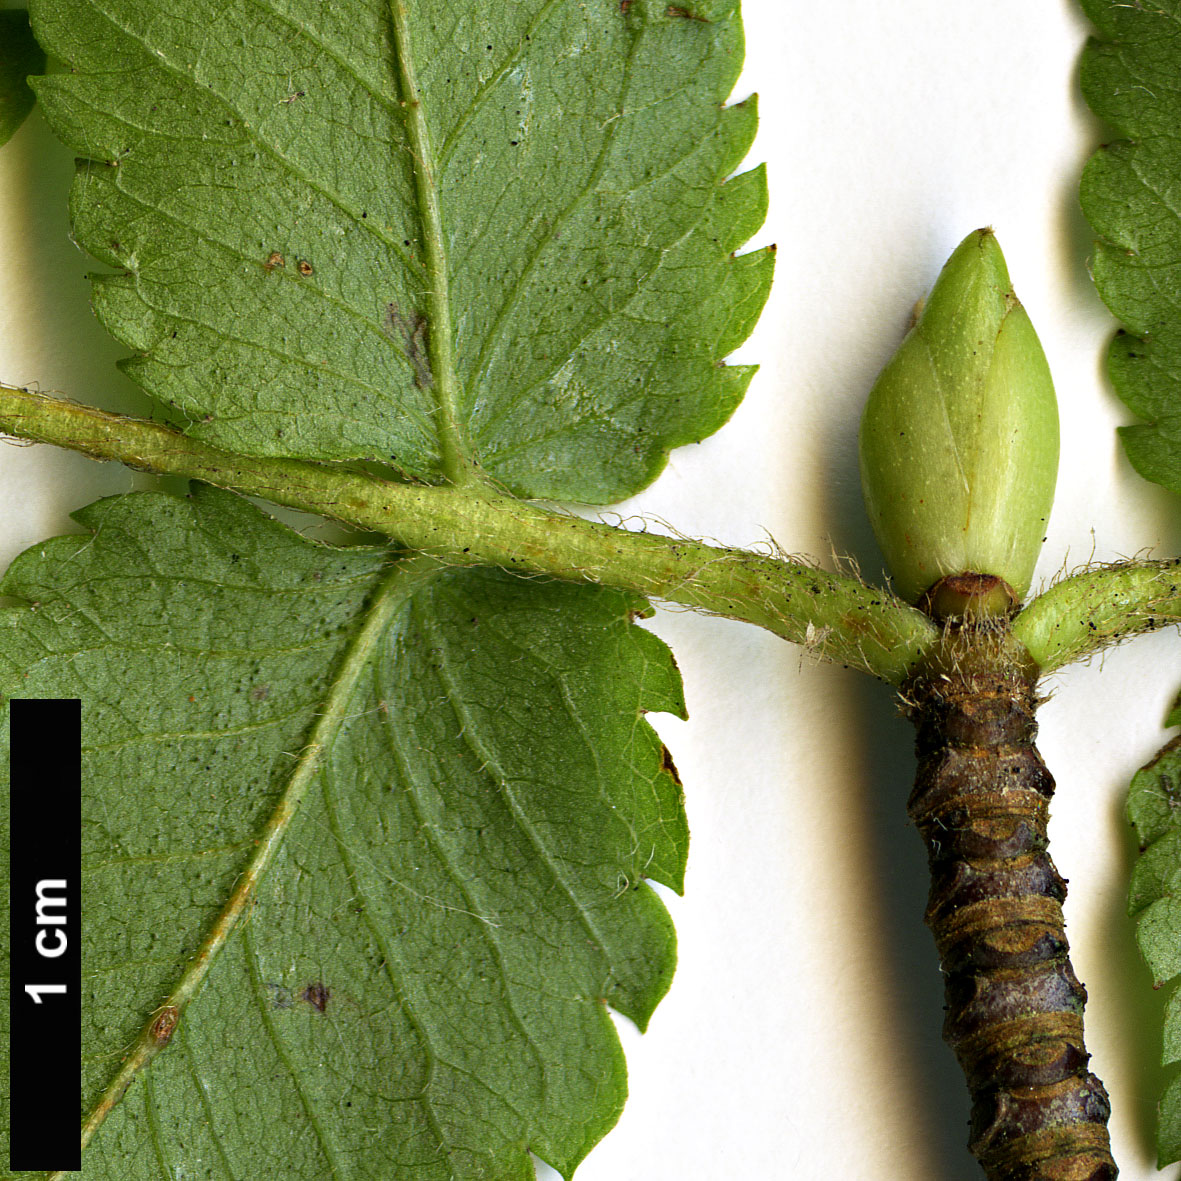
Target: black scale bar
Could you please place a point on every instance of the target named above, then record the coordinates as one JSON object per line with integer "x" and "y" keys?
{"x": 45, "y": 961}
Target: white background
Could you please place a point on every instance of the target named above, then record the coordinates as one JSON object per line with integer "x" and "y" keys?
{"x": 801, "y": 1036}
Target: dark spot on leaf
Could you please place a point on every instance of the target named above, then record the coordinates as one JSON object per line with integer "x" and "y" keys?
{"x": 316, "y": 995}
{"x": 274, "y": 259}
{"x": 667, "y": 765}
{"x": 624, "y": 5}
{"x": 260, "y": 692}
{"x": 410, "y": 331}
{"x": 304, "y": 267}
{"x": 163, "y": 1025}
{"x": 683, "y": 13}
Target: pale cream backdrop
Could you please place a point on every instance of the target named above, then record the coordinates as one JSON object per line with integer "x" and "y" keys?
{"x": 801, "y": 1036}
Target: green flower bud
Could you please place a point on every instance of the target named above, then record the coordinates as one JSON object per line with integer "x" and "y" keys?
{"x": 959, "y": 440}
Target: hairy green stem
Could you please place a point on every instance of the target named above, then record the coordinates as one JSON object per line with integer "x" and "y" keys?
{"x": 833, "y": 615}
{"x": 1091, "y": 611}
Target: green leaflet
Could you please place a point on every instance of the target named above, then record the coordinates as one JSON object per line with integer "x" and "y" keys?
{"x": 20, "y": 56}
{"x": 1129, "y": 197}
{"x": 419, "y": 986}
{"x": 1154, "y": 808}
{"x": 378, "y": 830}
{"x": 428, "y": 234}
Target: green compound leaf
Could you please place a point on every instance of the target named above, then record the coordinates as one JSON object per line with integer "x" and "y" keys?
{"x": 419, "y": 985}
{"x": 20, "y": 56}
{"x": 1129, "y": 196}
{"x": 427, "y": 234}
{"x": 1154, "y": 808}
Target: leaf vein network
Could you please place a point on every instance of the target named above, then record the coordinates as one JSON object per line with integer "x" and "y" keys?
{"x": 271, "y": 150}
{"x": 468, "y": 113}
{"x": 284, "y": 1056}
{"x": 234, "y": 252}
{"x": 513, "y": 294}
{"x": 468, "y": 730}
{"x": 485, "y": 926}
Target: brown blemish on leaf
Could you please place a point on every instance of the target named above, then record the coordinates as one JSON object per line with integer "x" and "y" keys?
{"x": 684, "y": 13}
{"x": 274, "y": 259}
{"x": 624, "y": 5}
{"x": 668, "y": 766}
{"x": 304, "y": 267}
{"x": 411, "y": 333}
{"x": 316, "y": 995}
{"x": 163, "y": 1025}
{"x": 260, "y": 692}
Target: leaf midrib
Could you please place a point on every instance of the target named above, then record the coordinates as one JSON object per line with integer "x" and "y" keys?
{"x": 455, "y": 453}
